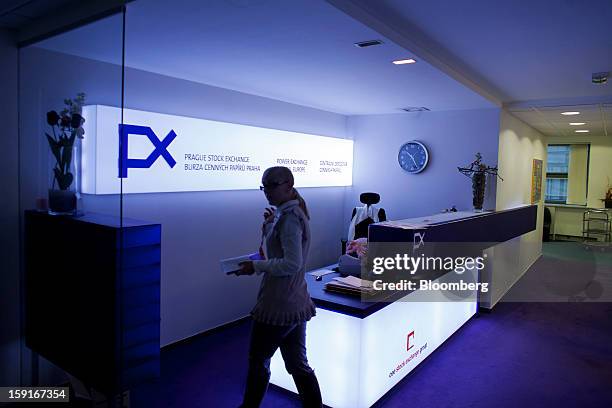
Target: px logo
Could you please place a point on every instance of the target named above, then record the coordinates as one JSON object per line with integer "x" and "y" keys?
{"x": 161, "y": 148}
{"x": 418, "y": 240}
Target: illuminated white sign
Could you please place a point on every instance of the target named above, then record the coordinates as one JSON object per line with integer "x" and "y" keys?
{"x": 358, "y": 360}
{"x": 153, "y": 152}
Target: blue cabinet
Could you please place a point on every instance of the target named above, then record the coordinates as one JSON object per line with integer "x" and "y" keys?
{"x": 92, "y": 287}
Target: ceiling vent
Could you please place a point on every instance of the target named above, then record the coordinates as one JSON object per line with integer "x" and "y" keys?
{"x": 415, "y": 109}
{"x": 365, "y": 44}
{"x": 600, "y": 78}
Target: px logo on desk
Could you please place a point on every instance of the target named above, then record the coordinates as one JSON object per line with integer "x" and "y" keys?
{"x": 161, "y": 148}
{"x": 418, "y": 240}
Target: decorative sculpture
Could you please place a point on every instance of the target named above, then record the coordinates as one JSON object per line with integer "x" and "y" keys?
{"x": 478, "y": 171}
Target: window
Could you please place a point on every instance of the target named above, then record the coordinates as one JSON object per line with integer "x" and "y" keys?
{"x": 557, "y": 173}
{"x": 567, "y": 174}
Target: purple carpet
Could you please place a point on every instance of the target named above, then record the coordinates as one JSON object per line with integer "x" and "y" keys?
{"x": 520, "y": 355}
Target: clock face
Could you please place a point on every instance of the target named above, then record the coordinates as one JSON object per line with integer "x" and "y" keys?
{"x": 413, "y": 157}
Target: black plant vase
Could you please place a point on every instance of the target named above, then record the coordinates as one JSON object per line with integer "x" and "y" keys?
{"x": 62, "y": 202}
{"x": 65, "y": 187}
{"x": 478, "y": 189}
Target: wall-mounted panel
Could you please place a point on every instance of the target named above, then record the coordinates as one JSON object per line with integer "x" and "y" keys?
{"x": 155, "y": 152}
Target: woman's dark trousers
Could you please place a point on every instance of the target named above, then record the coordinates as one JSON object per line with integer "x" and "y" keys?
{"x": 265, "y": 340}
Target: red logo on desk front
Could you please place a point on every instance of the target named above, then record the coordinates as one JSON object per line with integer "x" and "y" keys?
{"x": 412, "y": 356}
{"x": 408, "y": 345}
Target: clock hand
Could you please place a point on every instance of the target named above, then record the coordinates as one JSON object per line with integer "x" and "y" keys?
{"x": 412, "y": 157}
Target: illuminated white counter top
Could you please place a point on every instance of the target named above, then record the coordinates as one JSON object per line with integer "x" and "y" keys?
{"x": 360, "y": 350}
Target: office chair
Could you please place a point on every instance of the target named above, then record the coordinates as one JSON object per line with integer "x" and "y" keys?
{"x": 363, "y": 216}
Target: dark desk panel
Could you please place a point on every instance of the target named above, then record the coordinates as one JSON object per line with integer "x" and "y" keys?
{"x": 488, "y": 227}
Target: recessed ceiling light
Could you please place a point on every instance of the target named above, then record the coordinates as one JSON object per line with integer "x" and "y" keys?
{"x": 415, "y": 109}
{"x": 570, "y": 113}
{"x": 577, "y": 123}
{"x": 364, "y": 44}
{"x": 404, "y": 61}
{"x": 581, "y": 131}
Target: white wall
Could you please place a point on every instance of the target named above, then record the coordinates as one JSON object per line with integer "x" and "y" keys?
{"x": 198, "y": 228}
{"x": 9, "y": 215}
{"x": 519, "y": 144}
{"x": 452, "y": 138}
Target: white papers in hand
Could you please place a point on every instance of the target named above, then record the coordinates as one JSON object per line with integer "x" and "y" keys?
{"x": 231, "y": 265}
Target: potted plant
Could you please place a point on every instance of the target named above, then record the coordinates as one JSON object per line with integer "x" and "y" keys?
{"x": 67, "y": 130}
{"x": 608, "y": 199}
{"x": 478, "y": 171}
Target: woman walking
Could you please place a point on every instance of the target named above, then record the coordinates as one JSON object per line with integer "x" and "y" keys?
{"x": 283, "y": 304}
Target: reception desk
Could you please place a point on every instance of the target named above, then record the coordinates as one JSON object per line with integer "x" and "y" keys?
{"x": 361, "y": 349}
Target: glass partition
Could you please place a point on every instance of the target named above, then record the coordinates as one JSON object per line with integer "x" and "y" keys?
{"x": 68, "y": 229}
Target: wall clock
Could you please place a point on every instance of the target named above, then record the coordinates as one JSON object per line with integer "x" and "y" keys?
{"x": 413, "y": 157}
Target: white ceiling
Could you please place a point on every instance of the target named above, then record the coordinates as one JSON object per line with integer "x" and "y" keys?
{"x": 524, "y": 50}
{"x": 528, "y": 55}
{"x": 550, "y": 121}
{"x": 298, "y": 51}
{"x": 534, "y": 57}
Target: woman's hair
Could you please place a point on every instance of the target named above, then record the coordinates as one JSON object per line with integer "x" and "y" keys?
{"x": 298, "y": 197}
{"x": 281, "y": 174}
